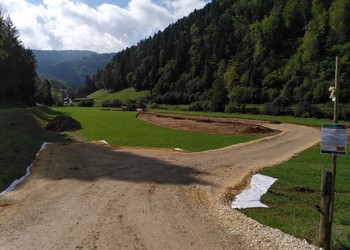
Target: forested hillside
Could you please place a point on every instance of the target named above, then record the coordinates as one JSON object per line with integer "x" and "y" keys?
{"x": 69, "y": 66}
{"x": 234, "y": 52}
{"x": 17, "y": 65}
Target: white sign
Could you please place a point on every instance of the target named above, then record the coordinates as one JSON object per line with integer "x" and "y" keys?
{"x": 334, "y": 139}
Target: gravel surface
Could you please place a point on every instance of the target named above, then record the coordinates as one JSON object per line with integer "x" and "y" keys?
{"x": 93, "y": 196}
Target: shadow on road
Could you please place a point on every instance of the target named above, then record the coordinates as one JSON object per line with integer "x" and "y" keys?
{"x": 90, "y": 162}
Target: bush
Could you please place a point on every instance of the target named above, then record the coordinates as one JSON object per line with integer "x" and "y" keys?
{"x": 271, "y": 109}
{"x": 154, "y": 106}
{"x": 141, "y": 104}
{"x": 279, "y": 106}
{"x": 130, "y": 105}
{"x": 106, "y": 104}
{"x": 86, "y": 103}
{"x": 254, "y": 111}
{"x": 116, "y": 103}
{"x": 307, "y": 110}
{"x": 199, "y": 106}
{"x": 344, "y": 115}
{"x": 112, "y": 103}
{"x": 231, "y": 108}
{"x": 59, "y": 104}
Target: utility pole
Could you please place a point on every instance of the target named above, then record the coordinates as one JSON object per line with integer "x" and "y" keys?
{"x": 328, "y": 179}
{"x": 334, "y": 156}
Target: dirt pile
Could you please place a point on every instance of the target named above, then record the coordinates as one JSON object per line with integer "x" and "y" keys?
{"x": 256, "y": 130}
{"x": 63, "y": 123}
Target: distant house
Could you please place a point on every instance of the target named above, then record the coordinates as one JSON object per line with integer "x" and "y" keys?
{"x": 82, "y": 99}
{"x": 71, "y": 100}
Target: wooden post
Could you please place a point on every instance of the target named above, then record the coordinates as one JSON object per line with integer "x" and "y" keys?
{"x": 325, "y": 226}
{"x": 334, "y": 157}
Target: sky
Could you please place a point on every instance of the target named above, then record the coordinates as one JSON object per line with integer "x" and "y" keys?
{"x": 97, "y": 25}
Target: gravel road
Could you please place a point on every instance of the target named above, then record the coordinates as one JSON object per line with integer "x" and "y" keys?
{"x": 93, "y": 196}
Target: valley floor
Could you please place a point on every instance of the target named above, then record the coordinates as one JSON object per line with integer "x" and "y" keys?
{"x": 86, "y": 195}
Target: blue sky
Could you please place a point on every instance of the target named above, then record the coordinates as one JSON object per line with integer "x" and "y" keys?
{"x": 97, "y": 25}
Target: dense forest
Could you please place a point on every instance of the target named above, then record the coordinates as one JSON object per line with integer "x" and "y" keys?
{"x": 69, "y": 67}
{"x": 234, "y": 52}
{"x": 17, "y": 65}
{"x": 19, "y": 83}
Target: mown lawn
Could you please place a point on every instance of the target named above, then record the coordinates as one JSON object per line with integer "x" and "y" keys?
{"x": 124, "y": 129}
{"x": 292, "y": 199}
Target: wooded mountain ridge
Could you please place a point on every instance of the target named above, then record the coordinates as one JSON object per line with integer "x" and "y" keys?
{"x": 234, "y": 52}
{"x": 69, "y": 66}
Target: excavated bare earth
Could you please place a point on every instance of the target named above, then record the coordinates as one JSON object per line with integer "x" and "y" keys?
{"x": 94, "y": 196}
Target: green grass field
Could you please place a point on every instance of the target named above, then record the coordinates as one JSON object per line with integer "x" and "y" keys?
{"x": 292, "y": 199}
{"x": 124, "y": 129}
{"x": 21, "y": 135}
{"x": 127, "y": 94}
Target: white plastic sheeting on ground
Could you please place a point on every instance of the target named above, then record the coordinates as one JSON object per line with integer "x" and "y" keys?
{"x": 250, "y": 198}
{"x": 16, "y": 182}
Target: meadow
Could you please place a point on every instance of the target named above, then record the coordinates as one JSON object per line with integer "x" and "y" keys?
{"x": 124, "y": 129}
{"x": 127, "y": 94}
{"x": 293, "y": 198}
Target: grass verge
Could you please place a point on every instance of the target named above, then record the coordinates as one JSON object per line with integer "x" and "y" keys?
{"x": 22, "y": 133}
{"x": 124, "y": 129}
{"x": 293, "y": 197}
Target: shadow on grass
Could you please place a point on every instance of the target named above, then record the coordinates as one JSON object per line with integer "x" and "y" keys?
{"x": 22, "y": 134}
{"x": 91, "y": 162}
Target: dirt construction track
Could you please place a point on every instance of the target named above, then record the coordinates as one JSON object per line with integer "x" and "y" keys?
{"x": 93, "y": 196}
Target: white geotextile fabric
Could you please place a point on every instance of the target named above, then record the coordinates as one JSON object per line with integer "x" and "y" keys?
{"x": 16, "y": 182}
{"x": 250, "y": 197}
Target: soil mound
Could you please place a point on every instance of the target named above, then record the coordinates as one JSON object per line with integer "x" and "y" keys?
{"x": 63, "y": 123}
{"x": 256, "y": 130}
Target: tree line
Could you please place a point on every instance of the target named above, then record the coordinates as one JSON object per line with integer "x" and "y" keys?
{"x": 235, "y": 52}
{"x": 17, "y": 65}
{"x": 19, "y": 82}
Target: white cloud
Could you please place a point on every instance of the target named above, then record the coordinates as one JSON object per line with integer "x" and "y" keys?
{"x": 68, "y": 24}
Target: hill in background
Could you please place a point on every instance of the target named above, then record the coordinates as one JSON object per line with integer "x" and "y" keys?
{"x": 237, "y": 52}
{"x": 69, "y": 66}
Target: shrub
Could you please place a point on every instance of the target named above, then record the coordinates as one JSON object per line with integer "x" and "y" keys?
{"x": 231, "y": 108}
{"x": 59, "y": 104}
{"x": 130, "y": 105}
{"x": 154, "y": 106}
{"x": 344, "y": 115}
{"x": 253, "y": 110}
{"x": 278, "y": 106}
{"x": 271, "y": 109}
{"x": 106, "y": 104}
{"x": 116, "y": 103}
{"x": 199, "y": 106}
{"x": 112, "y": 103}
{"x": 307, "y": 110}
{"x": 86, "y": 103}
